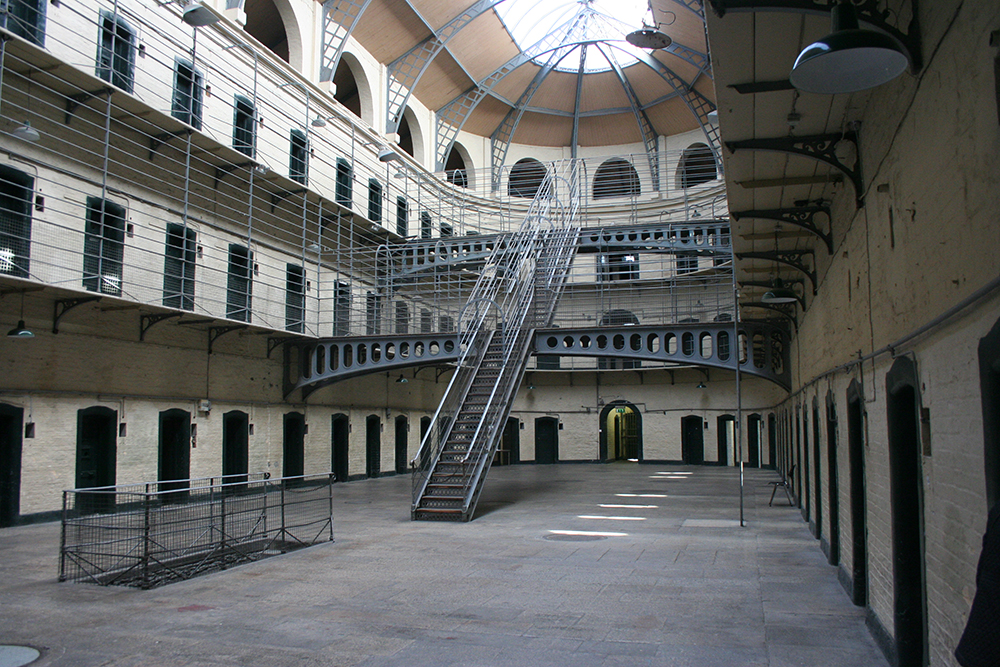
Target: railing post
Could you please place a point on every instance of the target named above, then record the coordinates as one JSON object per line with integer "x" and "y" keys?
{"x": 329, "y": 493}
{"x": 222, "y": 524}
{"x": 145, "y": 540}
{"x": 283, "y": 533}
{"x": 62, "y": 539}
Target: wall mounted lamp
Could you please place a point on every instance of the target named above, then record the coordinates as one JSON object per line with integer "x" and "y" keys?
{"x": 198, "y": 15}
{"x": 849, "y": 59}
{"x": 779, "y": 293}
{"x": 26, "y": 132}
{"x": 20, "y": 331}
{"x": 388, "y": 155}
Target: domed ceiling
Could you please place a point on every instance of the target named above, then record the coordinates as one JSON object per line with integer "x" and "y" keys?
{"x": 542, "y": 72}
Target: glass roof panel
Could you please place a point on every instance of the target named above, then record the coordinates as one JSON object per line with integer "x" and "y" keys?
{"x": 540, "y": 26}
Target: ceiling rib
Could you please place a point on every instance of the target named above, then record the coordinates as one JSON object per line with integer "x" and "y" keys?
{"x": 339, "y": 19}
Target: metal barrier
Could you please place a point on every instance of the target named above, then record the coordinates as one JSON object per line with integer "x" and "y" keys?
{"x": 148, "y": 535}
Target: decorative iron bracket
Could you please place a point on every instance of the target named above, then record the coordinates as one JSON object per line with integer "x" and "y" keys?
{"x": 215, "y": 333}
{"x": 158, "y": 140}
{"x": 146, "y": 322}
{"x": 783, "y": 310}
{"x": 819, "y": 147}
{"x": 63, "y": 306}
{"x": 226, "y": 169}
{"x": 803, "y": 217}
{"x": 768, "y": 284}
{"x": 74, "y": 101}
{"x": 868, "y": 13}
{"x": 273, "y": 342}
{"x": 792, "y": 258}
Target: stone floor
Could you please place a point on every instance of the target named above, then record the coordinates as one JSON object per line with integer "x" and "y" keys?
{"x": 582, "y": 565}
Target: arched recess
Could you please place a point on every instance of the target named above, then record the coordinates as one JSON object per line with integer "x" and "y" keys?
{"x": 273, "y": 23}
{"x": 411, "y": 135}
{"x": 616, "y": 177}
{"x": 353, "y": 89}
{"x": 525, "y": 178}
{"x": 458, "y": 167}
{"x": 696, "y": 166}
{"x": 906, "y": 491}
{"x": 620, "y": 432}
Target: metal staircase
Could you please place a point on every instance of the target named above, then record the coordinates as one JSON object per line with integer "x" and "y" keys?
{"x": 517, "y": 292}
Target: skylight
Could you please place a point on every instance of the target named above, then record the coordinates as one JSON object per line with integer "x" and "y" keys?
{"x": 540, "y": 27}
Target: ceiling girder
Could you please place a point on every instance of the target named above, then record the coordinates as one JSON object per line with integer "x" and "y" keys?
{"x": 649, "y": 137}
{"x": 339, "y": 20}
{"x": 821, "y": 147}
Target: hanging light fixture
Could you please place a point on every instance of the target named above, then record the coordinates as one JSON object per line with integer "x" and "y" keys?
{"x": 198, "y": 15}
{"x": 779, "y": 293}
{"x": 702, "y": 385}
{"x": 401, "y": 379}
{"x": 389, "y": 155}
{"x": 848, "y": 59}
{"x": 20, "y": 331}
{"x": 650, "y": 36}
{"x": 319, "y": 121}
{"x": 26, "y": 132}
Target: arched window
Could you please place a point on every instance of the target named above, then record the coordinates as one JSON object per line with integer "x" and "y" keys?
{"x": 616, "y": 178}
{"x": 347, "y": 88}
{"x": 456, "y": 169}
{"x": 696, "y": 166}
{"x": 264, "y": 23}
{"x": 526, "y": 178}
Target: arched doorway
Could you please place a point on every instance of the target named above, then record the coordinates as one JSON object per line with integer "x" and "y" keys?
{"x": 620, "y": 432}
{"x": 726, "y": 425}
{"x": 859, "y": 509}
{"x": 833, "y": 483}
{"x": 373, "y": 445}
{"x": 235, "y": 446}
{"x": 11, "y": 444}
{"x": 294, "y": 445}
{"x": 546, "y": 440}
{"x": 96, "y": 456}
{"x": 174, "y": 469}
{"x": 989, "y": 384}
{"x": 402, "y": 428}
{"x": 906, "y": 499}
{"x": 817, "y": 467}
{"x": 754, "y": 426}
{"x": 692, "y": 440}
{"x": 340, "y": 433}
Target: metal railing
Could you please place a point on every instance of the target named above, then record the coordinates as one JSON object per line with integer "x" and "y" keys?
{"x": 148, "y": 535}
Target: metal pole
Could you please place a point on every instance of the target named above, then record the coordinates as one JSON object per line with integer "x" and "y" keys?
{"x": 145, "y": 541}
{"x": 62, "y": 539}
{"x": 738, "y": 433}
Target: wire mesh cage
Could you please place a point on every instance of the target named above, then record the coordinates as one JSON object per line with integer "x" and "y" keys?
{"x": 148, "y": 535}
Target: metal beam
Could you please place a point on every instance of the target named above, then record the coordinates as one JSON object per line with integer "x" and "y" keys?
{"x": 649, "y": 137}
{"x": 340, "y": 17}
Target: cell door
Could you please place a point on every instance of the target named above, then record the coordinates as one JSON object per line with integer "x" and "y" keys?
{"x": 510, "y": 446}
{"x": 96, "y": 449}
{"x": 726, "y": 428}
{"x": 235, "y": 446}
{"x": 402, "y": 427}
{"x": 859, "y": 510}
{"x": 692, "y": 440}
{"x": 631, "y": 435}
{"x": 340, "y": 436}
{"x": 294, "y": 445}
{"x": 11, "y": 419}
{"x": 373, "y": 445}
{"x": 174, "y": 454}
{"x": 754, "y": 424}
{"x": 546, "y": 440}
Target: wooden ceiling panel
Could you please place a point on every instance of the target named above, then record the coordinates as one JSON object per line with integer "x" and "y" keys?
{"x": 437, "y": 12}
{"x": 442, "y": 82}
{"x": 537, "y": 129}
{"x": 558, "y": 91}
{"x": 603, "y": 91}
{"x": 514, "y": 83}
{"x": 483, "y": 46}
{"x": 609, "y": 130}
{"x": 389, "y": 28}
{"x": 486, "y": 117}
{"x": 672, "y": 117}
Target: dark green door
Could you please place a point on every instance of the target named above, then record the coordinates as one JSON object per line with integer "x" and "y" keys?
{"x": 340, "y": 435}
{"x": 96, "y": 445}
{"x": 11, "y": 419}
{"x": 174, "y": 454}
{"x": 373, "y": 445}
{"x": 235, "y": 446}
{"x": 293, "y": 445}
{"x": 692, "y": 440}
{"x": 546, "y": 440}
{"x": 401, "y": 429}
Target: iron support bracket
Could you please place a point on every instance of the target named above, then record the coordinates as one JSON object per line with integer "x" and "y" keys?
{"x": 803, "y": 217}
{"x": 146, "y": 322}
{"x": 74, "y": 101}
{"x": 63, "y": 306}
{"x": 783, "y": 310}
{"x": 273, "y": 342}
{"x": 284, "y": 194}
{"x": 215, "y": 333}
{"x": 158, "y": 140}
{"x": 821, "y": 147}
{"x": 792, "y": 258}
